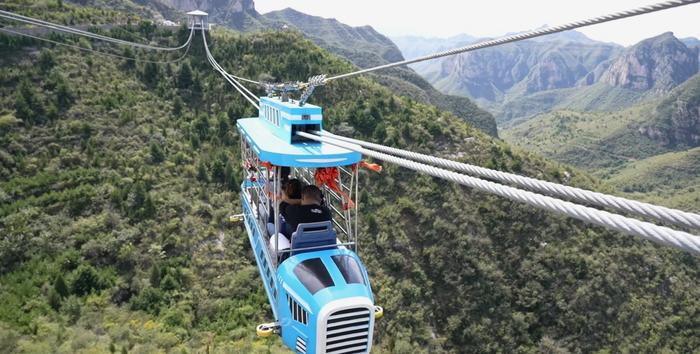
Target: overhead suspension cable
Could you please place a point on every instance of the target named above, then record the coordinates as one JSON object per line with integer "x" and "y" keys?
{"x": 527, "y": 35}
{"x": 599, "y": 199}
{"x": 659, "y": 234}
{"x": 237, "y": 85}
{"x": 100, "y": 52}
{"x": 66, "y": 29}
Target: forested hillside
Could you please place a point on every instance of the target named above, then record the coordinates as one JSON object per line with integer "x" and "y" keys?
{"x": 117, "y": 178}
{"x": 362, "y": 46}
{"x": 647, "y": 149}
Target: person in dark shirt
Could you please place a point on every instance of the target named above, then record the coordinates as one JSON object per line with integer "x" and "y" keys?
{"x": 307, "y": 211}
{"x": 291, "y": 194}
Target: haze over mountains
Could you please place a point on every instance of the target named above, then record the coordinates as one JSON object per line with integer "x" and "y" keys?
{"x": 567, "y": 70}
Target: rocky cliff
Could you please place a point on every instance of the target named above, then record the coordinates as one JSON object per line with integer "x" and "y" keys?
{"x": 236, "y": 14}
{"x": 526, "y": 67}
{"x": 362, "y": 45}
{"x": 677, "y": 118}
{"x": 656, "y": 64}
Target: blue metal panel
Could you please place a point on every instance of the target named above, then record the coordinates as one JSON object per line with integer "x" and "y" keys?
{"x": 289, "y": 283}
{"x": 271, "y": 149}
{"x": 322, "y": 297}
{"x": 258, "y": 245}
{"x": 291, "y": 107}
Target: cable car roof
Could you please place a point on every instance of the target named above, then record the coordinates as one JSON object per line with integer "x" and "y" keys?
{"x": 274, "y": 150}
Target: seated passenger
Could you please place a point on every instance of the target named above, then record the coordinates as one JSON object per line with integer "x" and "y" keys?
{"x": 291, "y": 195}
{"x": 309, "y": 210}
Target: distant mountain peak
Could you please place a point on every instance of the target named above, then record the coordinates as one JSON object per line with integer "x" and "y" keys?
{"x": 658, "y": 64}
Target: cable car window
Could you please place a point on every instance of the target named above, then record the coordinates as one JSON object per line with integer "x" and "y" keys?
{"x": 314, "y": 275}
{"x": 349, "y": 269}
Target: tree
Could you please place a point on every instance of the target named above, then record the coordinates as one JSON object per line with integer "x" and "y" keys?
{"x": 64, "y": 96}
{"x": 54, "y": 299}
{"x": 169, "y": 283}
{"x": 223, "y": 128}
{"x": 218, "y": 169}
{"x": 184, "y": 77}
{"x": 157, "y": 154}
{"x": 141, "y": 205}
{"x": 128, "y": 64}
{"x": 60, "y": 286}
{"x": 150, "y": 73}
{"x": 86, "y": 280}
{"x": 72, "y": 308}
{"x": 46, "y": 60}
{"x": 177, "y": 106}
{"x": 28, "y": 107}
{"x": 155, "y": 276}
{"x": 202, "y": 174}
{"x": 231, "y": 180}
{"x": 201, "y": 126}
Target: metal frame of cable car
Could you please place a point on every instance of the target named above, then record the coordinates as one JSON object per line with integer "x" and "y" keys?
{"x": 306, "y": 318}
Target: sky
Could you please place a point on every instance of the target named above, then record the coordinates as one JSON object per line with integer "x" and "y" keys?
{"x": 490, "y": 18}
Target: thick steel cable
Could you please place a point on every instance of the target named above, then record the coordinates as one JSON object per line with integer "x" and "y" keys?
{"x": 100, "y": 52}
{"x": 247, "y": 80}
{"x": 527, "y": 35}
{"x": 237, "y": 85}
{"x": 581, "y": 195}
{"x": 57, "y": 27}
{"x": 659, "y": 234}
{"x": 223, "y": 73}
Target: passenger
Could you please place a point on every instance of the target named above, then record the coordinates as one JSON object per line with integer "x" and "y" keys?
{"x": 291, "y": 196}
{"x": 307, "y": 211}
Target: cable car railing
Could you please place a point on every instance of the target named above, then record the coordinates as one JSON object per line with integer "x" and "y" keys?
{"x": 343, "y": 217}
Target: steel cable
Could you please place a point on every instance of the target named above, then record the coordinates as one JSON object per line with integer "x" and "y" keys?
{"x": 57, "y": 27}
{"x": 660, "y": 213}
{"x": 99, "y": 52}
{"x": 226, "y": 75}
{"x": 659, "y": 234}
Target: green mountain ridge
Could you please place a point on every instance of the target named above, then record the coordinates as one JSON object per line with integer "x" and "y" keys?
{"x": 118, "y": 177}
{"x": 607, "y": 142}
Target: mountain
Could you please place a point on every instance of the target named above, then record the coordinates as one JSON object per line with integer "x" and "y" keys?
{"x": 656, "y": 64}
{"x": 416, "y": 46}
{"x": 117, "y": 179}
{"x": 365, "y": 47}
{"x": 676, "y": 121}
{"x": 654, "y": 138}
{"x": 565, "y": 71}
{"x": 519, "y": 69}
{"x": 690, "y": 42}
{"x": 236, "y": 14}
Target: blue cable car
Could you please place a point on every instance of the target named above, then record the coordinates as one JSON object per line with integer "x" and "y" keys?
{"x": 317, "y": 287}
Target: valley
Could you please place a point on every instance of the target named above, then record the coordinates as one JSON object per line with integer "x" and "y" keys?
{"x": 118, "y": 177}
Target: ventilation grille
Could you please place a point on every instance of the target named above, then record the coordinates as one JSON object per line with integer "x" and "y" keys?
{"x": 298, "y": 312}
{"x": 347, "y": 331}
{"x": 301, "y": 345}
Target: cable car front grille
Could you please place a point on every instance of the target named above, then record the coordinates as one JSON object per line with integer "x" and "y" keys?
{"x": 347, "y": 331}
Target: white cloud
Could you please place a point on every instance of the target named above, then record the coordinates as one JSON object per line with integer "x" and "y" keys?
{"x": 443, "y": 18}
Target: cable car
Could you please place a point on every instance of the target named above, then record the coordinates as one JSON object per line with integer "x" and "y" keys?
{"x": 318, "y": 289}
